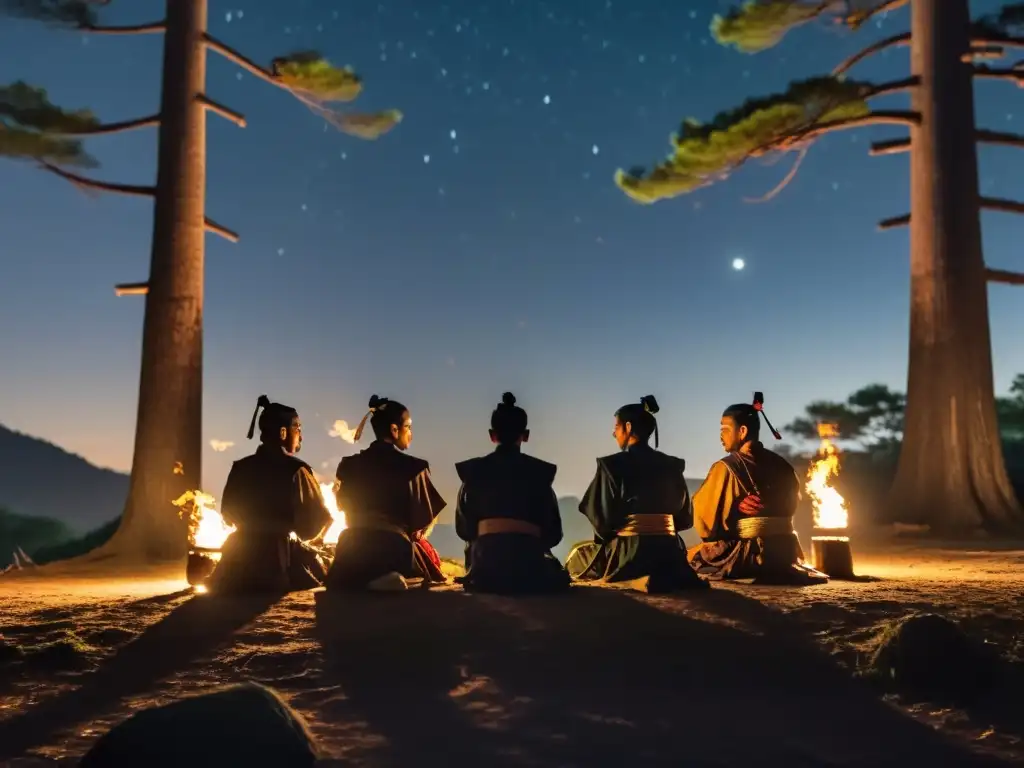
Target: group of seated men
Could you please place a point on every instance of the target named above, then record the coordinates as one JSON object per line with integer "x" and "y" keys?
{"x": 507, "y": 511}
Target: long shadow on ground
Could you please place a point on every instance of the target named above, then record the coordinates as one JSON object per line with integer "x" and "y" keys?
{"x": 190, "y": 631}
{"x": 601, "y": 677}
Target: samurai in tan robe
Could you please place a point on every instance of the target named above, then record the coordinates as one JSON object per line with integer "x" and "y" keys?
{"x": 274, "y": 501}
{"x": 743, "y": 512}
{"x": 390, "y": 507}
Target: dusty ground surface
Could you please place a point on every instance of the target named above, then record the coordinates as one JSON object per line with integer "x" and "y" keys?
{"x": 597, "y": 677}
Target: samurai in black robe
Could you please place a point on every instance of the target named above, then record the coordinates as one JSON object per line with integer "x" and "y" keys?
{"x": 507, "y": 513}
{"x": 274, "y": 501}
{"x": 638, "y": 504}
{"x": 390, "y": 504}
{"x": 744, "y": 510}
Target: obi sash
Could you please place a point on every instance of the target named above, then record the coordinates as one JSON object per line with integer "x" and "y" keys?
{"x": 498, "y": 525}
{"x": 648, "y": 525}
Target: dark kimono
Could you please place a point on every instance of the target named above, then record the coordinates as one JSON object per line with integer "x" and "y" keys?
{"x": 389, "y": 504}
{"x": 268, "y": 497}
{"x": 638, "y": 504}
{"x": 743, "y": 513}
{"x": 507, "y": 513}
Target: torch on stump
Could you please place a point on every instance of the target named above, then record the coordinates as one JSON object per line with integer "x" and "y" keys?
{"x": 833, "y": 555}
{"x": 830, "y": 544}
{"x": 202, "y": 561}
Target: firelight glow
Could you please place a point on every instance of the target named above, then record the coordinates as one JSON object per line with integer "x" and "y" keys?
{"x": 208, "y": 530}
{"x": 327, "y": 491}
{"x": 829, "y": 507}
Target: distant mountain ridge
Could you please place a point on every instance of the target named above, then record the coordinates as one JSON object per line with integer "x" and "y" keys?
{"x": 40, "y": 479}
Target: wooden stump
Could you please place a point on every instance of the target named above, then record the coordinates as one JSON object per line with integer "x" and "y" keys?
{"x": 201, "y": 564}
{"x": 833, "y": 555}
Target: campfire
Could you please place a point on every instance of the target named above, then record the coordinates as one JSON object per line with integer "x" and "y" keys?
{"x": 207, "y": 531}
{"x": 331, "y": 537}
{"x": 830, "y": 544}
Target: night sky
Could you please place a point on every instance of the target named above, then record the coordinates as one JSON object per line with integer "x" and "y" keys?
{"x": 482, "y": 246}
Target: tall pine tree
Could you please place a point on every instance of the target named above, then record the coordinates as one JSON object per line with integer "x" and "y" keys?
{"x": 952, "y": 475}
{"x": 168, "y": 434}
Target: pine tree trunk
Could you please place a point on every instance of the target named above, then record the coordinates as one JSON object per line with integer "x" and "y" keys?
{"x": 168, "y": 432}
{"x": 951, "y": 474}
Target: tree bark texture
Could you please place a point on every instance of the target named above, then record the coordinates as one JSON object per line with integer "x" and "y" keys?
{"x": 951, "y": 474}
{"x": 168, "y": 434}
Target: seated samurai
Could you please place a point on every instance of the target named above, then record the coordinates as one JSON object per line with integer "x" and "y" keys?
{"x": 638, "y": 504}
{"x": 744, "y": 510}
{"x": 507, "y": 513}
{"x": 390, "y": 506}
{"x": 274, "y": 501}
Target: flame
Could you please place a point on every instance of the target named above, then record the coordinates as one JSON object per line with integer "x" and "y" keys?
{"x": 206, "y": 528}
{"x": 327, "y": 491}
{"x": 828, "y": 505}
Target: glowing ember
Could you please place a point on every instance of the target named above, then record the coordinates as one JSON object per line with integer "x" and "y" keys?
{"x": 327, "y": 491}
{"x": 829, "y": 507}
{"x": 206, "y": 528}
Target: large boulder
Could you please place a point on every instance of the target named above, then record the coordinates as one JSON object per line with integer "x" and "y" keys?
{"x": 930, "y": 655}
{"x": 243, "y": 725}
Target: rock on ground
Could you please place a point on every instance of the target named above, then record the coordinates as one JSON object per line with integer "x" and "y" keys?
{"x": 247, "y": 724}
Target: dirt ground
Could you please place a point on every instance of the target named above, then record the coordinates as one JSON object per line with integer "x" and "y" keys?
{"x": 596, "y": 677}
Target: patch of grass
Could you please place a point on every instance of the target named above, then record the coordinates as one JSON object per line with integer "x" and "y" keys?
{"x": 9, "y": 651}
{"x": 930, "y": 656}
{"x": 66, "y": 653}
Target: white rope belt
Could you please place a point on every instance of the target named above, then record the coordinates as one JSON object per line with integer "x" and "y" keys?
{"x": 760, "y": 527}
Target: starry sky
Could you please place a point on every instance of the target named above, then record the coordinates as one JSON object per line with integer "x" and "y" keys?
{"x": 482, "y": 246}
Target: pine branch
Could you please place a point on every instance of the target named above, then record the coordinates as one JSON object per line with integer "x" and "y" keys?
{"x": 983, "y": 52}
{"x": 70, "y": 13}
{"x": 896, "y": 86}
{"x": 857, "y": 19}
{"x": 20, "y": 144}
{"x": 771, "y": 194}
{"x": 998, "y": 137}
{"x": 219, "y": 109}
{"x": 100, "y": 186}
{"x": 131, "y": 29}
{"x": 317, "y": 83}
{"x": 1003, "y": 41}
{"x": 992, "y": 73}
{"x": 1004, "y": 276}
{"x": 882, "y": 45}
{"x": 894, "y": 223}
{"x": 999, "y": 204}
{"x": 891, "y": 147}
{"x": 242, "y": 61}
{"x": 783, "y": 122}
{"x": 756, "y": 26}
{"x": 105, "y": 129}
{"x": 894, "y": 117}
{"x": 131, "y": 289}
{"x": 217, "y": 229}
